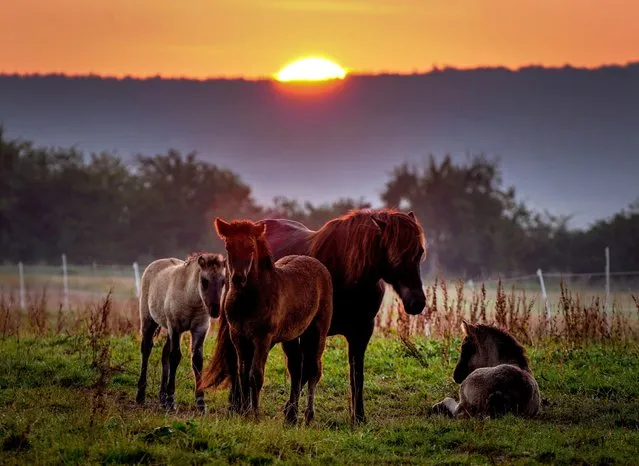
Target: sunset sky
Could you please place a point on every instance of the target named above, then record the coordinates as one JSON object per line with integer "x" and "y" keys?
{"x": 255, "y": 38}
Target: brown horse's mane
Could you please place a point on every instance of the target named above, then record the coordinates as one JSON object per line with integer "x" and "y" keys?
{"x": 506, "y": 342}
{"x": 351, "y": 244}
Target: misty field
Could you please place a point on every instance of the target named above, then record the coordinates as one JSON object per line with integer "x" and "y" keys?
{"x": 68, "y": 382}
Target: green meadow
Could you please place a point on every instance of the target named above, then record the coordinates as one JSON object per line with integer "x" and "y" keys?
{"x": 69, "y": 399}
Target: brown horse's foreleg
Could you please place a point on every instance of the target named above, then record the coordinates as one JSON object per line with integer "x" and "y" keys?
{"x": 235, "y": 392}
{"x": 313, "y": 345}
{"x": 256, "y": 374}
{"x": 357, "y": 343}
{"x": 244, "y": 349}
{"x": 166, "y": 369}
{"x": 148, "y": 329}
{"x": 174, "y": 361}
{"x": 197, "y": 362}
{"x": 293, "y": 353}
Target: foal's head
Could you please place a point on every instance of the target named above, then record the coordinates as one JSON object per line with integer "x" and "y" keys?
{"x": 487, "y": 346}
{"x": 245, "y": 246}
{"x": 212, "y": 271}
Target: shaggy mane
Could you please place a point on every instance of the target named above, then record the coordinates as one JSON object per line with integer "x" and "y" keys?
{"x": 352, "y": 244}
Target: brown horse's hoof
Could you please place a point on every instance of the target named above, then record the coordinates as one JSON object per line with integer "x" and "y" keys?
{"x": 169, "y": 404}
{"x": 290, "y": 414}
{"x": 308, "y": 417}
{"x": 200, "y": 406}
{"x": 290, "y": 419}
{"x": 359, "y": 420}
{"x": 140, "y": 397}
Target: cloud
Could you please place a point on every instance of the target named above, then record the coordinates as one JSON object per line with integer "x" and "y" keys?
{"x": 330, "y": 6}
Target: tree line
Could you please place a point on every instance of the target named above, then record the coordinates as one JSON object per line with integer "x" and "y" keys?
{"x": 97, "y": 208}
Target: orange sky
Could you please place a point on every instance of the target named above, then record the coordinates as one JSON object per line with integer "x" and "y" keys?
{"x": 252, "y": 38}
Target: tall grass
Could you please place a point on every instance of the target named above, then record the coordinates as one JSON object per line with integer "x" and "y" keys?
{"x": 574, "y": 318}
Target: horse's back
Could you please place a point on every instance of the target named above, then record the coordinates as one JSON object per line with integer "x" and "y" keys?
{"x": 307, "y": 287}
{"x": 287, "y": 237}
{"x": 165, "y": 287}
{"x": 506, "y": 385}
{"x": 304, "y": 270}
{"x": 156, "y": 270}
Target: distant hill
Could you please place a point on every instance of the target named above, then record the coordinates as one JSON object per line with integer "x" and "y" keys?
{"x": 568, "y": 138}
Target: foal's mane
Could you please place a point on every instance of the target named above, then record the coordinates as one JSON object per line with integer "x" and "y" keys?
{"x": 506, "y": 342}
{"x": 352, "y": 244}
{"x": 192, "y": 257}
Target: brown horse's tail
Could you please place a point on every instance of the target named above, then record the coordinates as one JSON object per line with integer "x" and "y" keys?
{"x": 224, "y": 362}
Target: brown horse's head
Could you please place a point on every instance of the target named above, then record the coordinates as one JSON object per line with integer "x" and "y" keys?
{"x": 366, "y": 245}
{"x": 487, "y": 346}
{"x": 245, "y": 246}
{"x": 403, "y": 248}
{"x": 212, "y": 272}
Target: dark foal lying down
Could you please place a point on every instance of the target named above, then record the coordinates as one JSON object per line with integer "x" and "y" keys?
{"x": 494, "y": 375}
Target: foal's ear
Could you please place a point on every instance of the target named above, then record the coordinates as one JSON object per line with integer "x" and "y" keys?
{"x": 222, "y": 228}
{"x": 201, "y": 261}
{"x": 467, "y": 328}
{"x": 259, "y": 229}
{"x": 411, "y": 214}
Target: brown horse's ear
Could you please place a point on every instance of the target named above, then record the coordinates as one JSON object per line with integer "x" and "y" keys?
{"x": 411, "y": 214}
{"x": 201, "y": 261}
{"x": 379, "y": 224}
{"x": 222, "y": 227}
{"x": 259, "y": 229}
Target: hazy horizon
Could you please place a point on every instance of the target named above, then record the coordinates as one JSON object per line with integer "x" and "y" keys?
{"x": 566, "y": 137}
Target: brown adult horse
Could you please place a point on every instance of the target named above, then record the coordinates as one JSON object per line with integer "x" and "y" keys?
{"x": 361, "y": 250}
{"x": 267, "y": 302}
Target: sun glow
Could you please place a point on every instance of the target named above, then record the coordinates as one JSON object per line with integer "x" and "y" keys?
{"x": 311, "y": 69}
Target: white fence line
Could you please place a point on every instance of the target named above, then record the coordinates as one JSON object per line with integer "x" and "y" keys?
{"x": 96, "y": 271}
{"x": 136, "y": 272}
{"x": 23, "y": 303}
{"x": 65, "y": 278}
{"x": 607, "y": 306}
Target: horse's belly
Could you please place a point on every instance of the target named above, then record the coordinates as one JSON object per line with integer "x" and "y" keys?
{"x": 156, "y": 308}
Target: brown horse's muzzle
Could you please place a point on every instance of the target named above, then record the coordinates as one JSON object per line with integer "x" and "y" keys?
{"x": 414, "y": 301}
{"x": 239, "y": 279}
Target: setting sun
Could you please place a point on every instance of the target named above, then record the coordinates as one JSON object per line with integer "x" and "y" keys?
{"x": 311, "y": 69}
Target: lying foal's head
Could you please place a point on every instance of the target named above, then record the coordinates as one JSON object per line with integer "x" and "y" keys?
{"x": 212, "y": 272}
{"x": 487, "y": 346}
{"x": 245, "y": 246}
